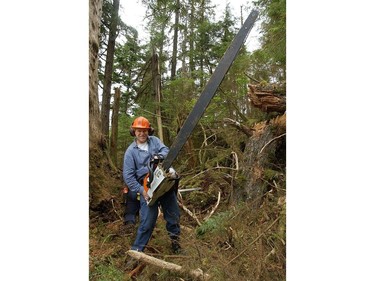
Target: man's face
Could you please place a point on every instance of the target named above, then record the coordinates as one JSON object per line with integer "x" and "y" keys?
{"x": 141, "y": 135}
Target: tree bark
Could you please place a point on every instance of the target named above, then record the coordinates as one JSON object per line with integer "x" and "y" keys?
{"x": 157, "y": 90}
{"x": 106, "y": 97}
{"x": 99, "y": 165}
{"x": 114, "y": 127}
{"x": 175, "y": 40}
{"x": 95, "y": 138}
{"x": 202, "y": 49}
{"x": 268, "y": 139}
{"x": 191, "y": 40}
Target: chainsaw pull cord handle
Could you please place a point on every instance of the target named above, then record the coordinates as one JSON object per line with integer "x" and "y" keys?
{"x": 150, "y": 172}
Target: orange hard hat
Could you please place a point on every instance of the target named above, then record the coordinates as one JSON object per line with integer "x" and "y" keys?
{"x": 141, "y": 123}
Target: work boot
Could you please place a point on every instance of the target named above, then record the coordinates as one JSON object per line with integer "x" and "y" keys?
{"x": 176, "y": 247}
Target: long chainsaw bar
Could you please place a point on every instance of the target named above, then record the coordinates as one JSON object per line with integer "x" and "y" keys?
{"x": 159, "y": 185}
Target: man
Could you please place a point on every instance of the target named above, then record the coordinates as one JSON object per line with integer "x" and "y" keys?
{"x": 136, "y": 160}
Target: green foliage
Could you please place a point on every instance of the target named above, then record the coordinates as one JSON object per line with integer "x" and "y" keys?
{"x": 179, "y": 97}
{"x": 202, "y": 44}
{"x": 215, "y": 224}
{"x": 106, "y": 272}
{"x": 272, "y": 54}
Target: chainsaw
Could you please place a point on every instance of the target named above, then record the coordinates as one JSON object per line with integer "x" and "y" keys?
{"x": 162, "y": 177}
{"x": 158, "y": 180}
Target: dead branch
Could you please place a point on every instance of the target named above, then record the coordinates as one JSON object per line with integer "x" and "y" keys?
{"x": 195, "y": 273}
{"x": 137, "y": 270}
{"x": 181, "y": 190}
{"x": 252, "y": 78}
{"x": 113, "y": 205}
{"x": 236, "y": 160}
{"x": 190, "y": 213}
{"x": 256, "y": 239}
{"x": 214, "y": 208}
{"x": 213, "y": 168}
{"x": 246, "y": 130}
{"x": 270, "y": 142}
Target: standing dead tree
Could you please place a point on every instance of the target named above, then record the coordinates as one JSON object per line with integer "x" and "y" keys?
{"x": 265, "y": 147}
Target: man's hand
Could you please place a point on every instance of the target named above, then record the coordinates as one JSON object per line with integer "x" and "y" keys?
{"x": 171, "y": 173}
{"x": 158, "y": 156}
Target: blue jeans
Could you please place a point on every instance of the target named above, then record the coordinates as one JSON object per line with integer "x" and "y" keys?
{"x": 149, "y": 215}
{"x": 131, "y": 208}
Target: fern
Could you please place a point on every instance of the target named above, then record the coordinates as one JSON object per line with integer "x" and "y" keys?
{"x": 214, "y": 224}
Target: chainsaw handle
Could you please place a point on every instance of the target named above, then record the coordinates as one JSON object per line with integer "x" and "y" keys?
{"x": 149, "y": 177}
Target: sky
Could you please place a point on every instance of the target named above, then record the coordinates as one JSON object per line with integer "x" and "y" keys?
{"x": 133, "y": 14}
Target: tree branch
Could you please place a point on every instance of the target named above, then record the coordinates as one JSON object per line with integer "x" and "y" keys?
{"x": 113, "y": 205}
{"x": 190, "y": 213}
{"x": 214, "y": 208}
{"x": 270, "y": 142}
{"x": 247, "y": 131}
{"x": 256, "y": 239}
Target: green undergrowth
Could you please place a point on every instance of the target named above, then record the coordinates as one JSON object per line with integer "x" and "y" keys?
{"x": 106, "y": 272}
{"x": 236, "y": 243}
{"x": 215, "y": 224}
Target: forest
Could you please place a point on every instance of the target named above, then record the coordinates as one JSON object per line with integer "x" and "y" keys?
{"x": 233, "y": 220}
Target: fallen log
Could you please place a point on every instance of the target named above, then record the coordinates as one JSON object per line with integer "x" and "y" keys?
{"x": 267, "y": 100}
{"x": 195, "y": 273}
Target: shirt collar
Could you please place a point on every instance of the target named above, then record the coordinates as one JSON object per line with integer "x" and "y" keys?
{"x": 135, "y": 145}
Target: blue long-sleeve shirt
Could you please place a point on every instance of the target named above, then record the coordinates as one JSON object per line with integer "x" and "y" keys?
{"x": 136, "y": 161}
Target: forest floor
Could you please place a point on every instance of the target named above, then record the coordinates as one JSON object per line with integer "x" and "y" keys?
{"x": 236, "y": 242}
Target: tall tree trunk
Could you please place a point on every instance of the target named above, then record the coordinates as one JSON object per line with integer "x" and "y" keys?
{"x": 175, "y": 40}
{"x": 191, "y": 40}
{"x": 100, "y": 170}
{"x": 184, "y": 67}
{"x": 106, "y": 99}
{"x": 95, "y": 138}
{"x": 114, "y": 127}
{"x": 157, "y": 87}
{"x": 202, "y": 51}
